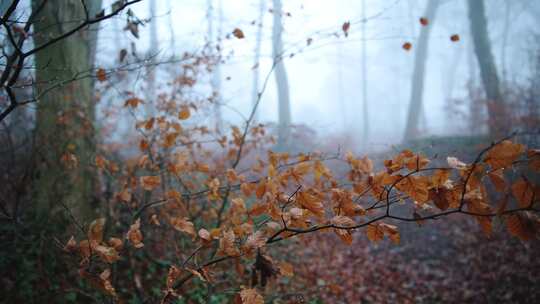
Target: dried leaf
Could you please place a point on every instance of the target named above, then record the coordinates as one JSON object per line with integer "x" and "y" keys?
{"x": 503, "y": 154}
{"x": 149, "y": 183}
{"x": 251, "y": 296}
{"x": 101, "y": 75}
{"x": 238, "y": 33}
{"x": 95, "y": 231}
{"x": 183, "y": 225}
{"x": 184, "y": 113}
{"x": 523, "y": 192}
{"x": 134, "y": 234}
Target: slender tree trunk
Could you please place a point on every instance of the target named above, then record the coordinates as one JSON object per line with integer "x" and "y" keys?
{"x": 257, "y": 58}
{"x": 153, "y": 50}
{"x": 65, "y": 116}
{"x": 488, "y": 70}
{"x": 215, "y": 46}
{"x": 284, "y": 107}
{"x": 365, "y": 120}
{"x": 417, "y": 86}
{"x": 172, "y": 43}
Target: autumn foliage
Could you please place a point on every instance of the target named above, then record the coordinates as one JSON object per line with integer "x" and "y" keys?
{"x": 208, "y": 207}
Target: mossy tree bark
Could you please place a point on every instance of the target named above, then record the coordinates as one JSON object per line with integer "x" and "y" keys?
{"x": 65, "y": 131}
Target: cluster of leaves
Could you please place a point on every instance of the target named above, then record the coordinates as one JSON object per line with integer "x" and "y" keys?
{"x": 199, "y": 203}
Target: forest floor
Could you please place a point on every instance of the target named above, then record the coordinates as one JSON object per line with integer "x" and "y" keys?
{"x": 448, "y": 260}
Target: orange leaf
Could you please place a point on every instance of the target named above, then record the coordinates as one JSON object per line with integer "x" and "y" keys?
{"x": 374, "y": 233}
{"x": 286, "y": 269}
{"x": 534, "y": 159}
{"x": 134, "y": 234}
{"x": 95, "y": 231}
{"x": 184, "y": 113}
{"x": 183, "y": 225}
{"x": 251, "y": 296}
{"x": 310, "y": 202}
{"x": 523, "y": 192}
{"x": 407, "y": 46}
{"x": 101, "y": 75}
{"x": 226, "y": 244}
{"x": 521, "y": 225}
{"x": 133, "y": 102}
{"x": 391, "y": 231}
{"x": 503, "y": 154}
{"x": 149, "y": 183}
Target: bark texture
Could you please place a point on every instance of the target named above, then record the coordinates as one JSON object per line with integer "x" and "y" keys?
{"x": 65, "y": 114}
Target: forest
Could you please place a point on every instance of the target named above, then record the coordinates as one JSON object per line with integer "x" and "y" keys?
{"x": 269, "y": 151}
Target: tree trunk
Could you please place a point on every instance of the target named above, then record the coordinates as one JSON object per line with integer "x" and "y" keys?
{"x": 215, "y": 44}
{"x": 488, "y": 70}
{"x": 365, "y": 119}
{"x": 153, "y": 51}
{"x": 284, "y": 107}
{"x": 65, "y": 114}
{"x": 417, "y": 86}
{"x": 257, "y": 59}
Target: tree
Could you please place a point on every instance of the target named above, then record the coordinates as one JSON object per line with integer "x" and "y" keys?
{"x": 488, "y": 70}
{"x": 365, "y": 126}
{"x": 153, "y": 51}
{"x": 257, "y": 58}
{"x": 417, "y": 86}
{"x": 65, "y": 116}
{"x": 284, "y": 106}
{"x": 215, "y": 47}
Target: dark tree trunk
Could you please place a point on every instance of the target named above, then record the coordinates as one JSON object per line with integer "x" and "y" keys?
{"x": 488, "y": 71}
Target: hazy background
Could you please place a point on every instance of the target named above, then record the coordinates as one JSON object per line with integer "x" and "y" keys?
{"x": 325, "y": 78}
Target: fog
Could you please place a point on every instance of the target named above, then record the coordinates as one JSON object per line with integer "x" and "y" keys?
{"x": 325, "y": 77}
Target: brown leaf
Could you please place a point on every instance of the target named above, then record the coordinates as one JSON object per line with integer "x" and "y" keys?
{"x": 503, "y": 154}
{"x": 95, "y": 231}
{"x": 345, "y": 28}
{"x": 310, "y": 202}
{"x": 134, "y": 234}
{"x": 133, "y": 102}
{"x": 238, "y": 33}
{"x": 149, "y": 183}
{"x": 497, "y": 178}
{"x": 101, "y": 75}
{"x": 184, "y": 113}
{"x": 286, "y": 269}
{"x": 523, "y": 192}
{"x": 183, "y": 225}
{"x": 251, "y": 296}
{"x": 255, "y": 241}
{"x": 226, "y": 244}
{"x": 521, "y": 225}
{"x": 374, "y": 233}
{"x": 407, "y": 46}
